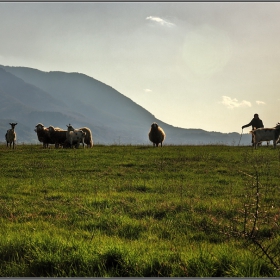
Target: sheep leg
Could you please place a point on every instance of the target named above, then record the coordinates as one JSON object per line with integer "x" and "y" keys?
{"x": 255, "y": 144}
{"x": 254, "y": 141}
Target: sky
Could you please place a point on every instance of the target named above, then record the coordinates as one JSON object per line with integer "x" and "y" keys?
{"x": 206, "y": 65}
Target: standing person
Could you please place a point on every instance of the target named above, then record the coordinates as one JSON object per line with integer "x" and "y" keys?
{"x": 256, "y": 123}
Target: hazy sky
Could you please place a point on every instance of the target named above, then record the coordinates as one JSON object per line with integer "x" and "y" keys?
{"x": 208, "y": 65}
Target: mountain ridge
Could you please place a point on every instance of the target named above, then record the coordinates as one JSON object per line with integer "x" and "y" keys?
{"x": 59, "y": 98}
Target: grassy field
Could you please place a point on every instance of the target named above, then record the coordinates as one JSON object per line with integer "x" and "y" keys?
{"x": 139, "y": 211}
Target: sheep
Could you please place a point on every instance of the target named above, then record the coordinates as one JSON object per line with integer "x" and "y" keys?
{"x": 156, "y": 135}
{"x": 88, "y": 138}
{"x": 43, "y": 135}
{"x": 75, "y": 136}
{"x": 260, "y": 143}
{"x": 10, "y": 136}
{"x": 266, "y": 134}
{"x": 57, "y": 135}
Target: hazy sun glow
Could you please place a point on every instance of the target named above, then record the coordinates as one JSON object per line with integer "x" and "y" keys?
{"x": 181, "y": 61}
{"x": 206, "y": 50}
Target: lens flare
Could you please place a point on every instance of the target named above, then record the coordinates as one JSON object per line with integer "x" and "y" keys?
{"x": 206, "y": 50}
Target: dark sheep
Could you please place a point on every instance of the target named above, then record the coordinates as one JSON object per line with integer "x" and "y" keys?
{"x": 156, "y": 135}
{"x": 57, "y": 135}
{"x": 43, "y": 135}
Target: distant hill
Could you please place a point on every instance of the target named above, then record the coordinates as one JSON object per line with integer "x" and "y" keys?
{"x": 29, "y": 96}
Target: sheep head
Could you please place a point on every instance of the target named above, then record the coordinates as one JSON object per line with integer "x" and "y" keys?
{"x": 70, "y": 127}
{"x": 39, "y": 127}
{"x": 154, "y": 126}
{"x": 51, "y": 128}
{"x": 13, "y": 125}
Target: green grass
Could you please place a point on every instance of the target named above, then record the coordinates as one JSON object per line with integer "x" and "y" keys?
{"x": 134, "y": 211}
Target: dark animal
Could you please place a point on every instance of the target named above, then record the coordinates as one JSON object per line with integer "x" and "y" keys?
{"x": 57, "y": 135}
{"x": 43, "y": 135}
{"x": 156, "y": 135}
{"x": 10, "y": 136}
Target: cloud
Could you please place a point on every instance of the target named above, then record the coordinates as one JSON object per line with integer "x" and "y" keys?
{"x": 260, "y": 102}
{"x": 234, "y": 103}
{"x": 160, "y": 21}
{"x": 147, "y": 90}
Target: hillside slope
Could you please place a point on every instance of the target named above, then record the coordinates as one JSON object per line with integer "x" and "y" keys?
{"x": 59, "y": 98}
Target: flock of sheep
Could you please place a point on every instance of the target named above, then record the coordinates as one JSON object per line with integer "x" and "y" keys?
{"x": 65, "y": 138}
{"x": 73, "y": 137}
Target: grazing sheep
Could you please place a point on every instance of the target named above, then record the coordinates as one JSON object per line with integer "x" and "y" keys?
{"x": 75, "y": 136}
{"x": 43, "y": 135}
{"x": 11, "y": 135}
{"x": 57, "y": 135}
{"x": 88, "y": 138}
{"x": 156, "y": 135}
{"x": 266, "y": 134}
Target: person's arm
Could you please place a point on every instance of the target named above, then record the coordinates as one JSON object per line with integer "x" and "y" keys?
{"x": 246, "y": 125}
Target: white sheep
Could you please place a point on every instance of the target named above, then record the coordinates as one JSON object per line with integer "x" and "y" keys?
{"x": 75, "y": 136}
{"x": 88, "y": 138}
{"x": 156, "y": 135}
{"x": 10, "y": 136}
{"x": 266, "y": 134}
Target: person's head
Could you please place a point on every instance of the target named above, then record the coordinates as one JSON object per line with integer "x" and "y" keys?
{"x": 256, "y": 116}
